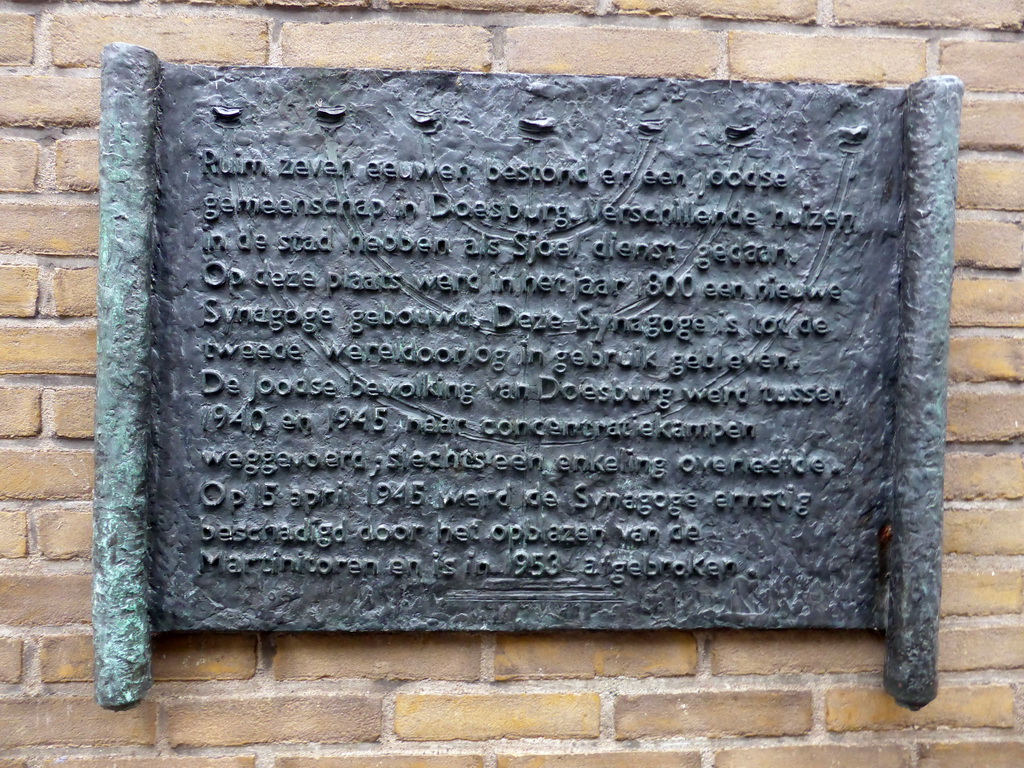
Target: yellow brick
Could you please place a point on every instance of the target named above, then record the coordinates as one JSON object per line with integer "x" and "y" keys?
{"x": 989, "y": 124}
{"x": 313, "y": 656}
{"x": 48, "y": 721}
{"x": 45, "y": 474}
{"x": 480, "y": 717}
{"x": 13, "y": 534}
{"x": 194, "y": 656}
{"x": 980, "y": 14}
{"x": 624, "y": 759}
{"x": 507, "y": 6}
{"x": 64, "y": 534}
{"x": 997, "y": 184}
{"x": 796, "y": 651}
{"x": 10, "y": 661}
{"x": 831, "y": 756}
{"x": 383, "y": 761}
{"x": 28, "y": 599}
{"x": 74, "y": 292}
{"x": 19, "y": 290}
{"x": 52, "y": 230}
{"x": 982, "y": 593}
{"x": 988, "y": 244}
{"x": 797, "y": 11}
{"x": 79, "y": 40}
{"x": 65, "y": 659}
{"x": 760, "y": 56}
{"x": 69, "y": 658}
{"x": 872, "y": 709}
{"x": 713, "y": 714}
{"x": 601, "y": 654}
{"x": 38, "y": 102}
{"x": 984, "y": 66}
{"x": 611, "y": 51}
{"x": 387, "y": 45}
{"x": 1006, "y": 754}
{"x": 78, "y": 165}
{"x": 19, "y": 412}
{"x": 986, "y": 359}
{"x": 980, "y": 476}
{"x": 61, "y": 350}
{"x": 149, "y": 762}
{"x": 275, "y": 719}
{"x": 984, "y": 531}
{"x": 74, "y": 412}
{"x": 985, "y": 416}
{"x": 981, "y": 648}
{"x": 279, "y": 3}
{"x": 18, "y": 161}
{"x": 16, "y": 31}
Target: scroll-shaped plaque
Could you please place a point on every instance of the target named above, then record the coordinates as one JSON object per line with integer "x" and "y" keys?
{"x": 435, "y": 351}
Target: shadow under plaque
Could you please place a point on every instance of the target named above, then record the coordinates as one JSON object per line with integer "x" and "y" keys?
{"x": 386, "y": 351}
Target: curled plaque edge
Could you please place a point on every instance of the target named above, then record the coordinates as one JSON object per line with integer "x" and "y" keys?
{"x": 128, "y": 193}
{"x": 128, "y": 125}
{"x": 931, "y": 140}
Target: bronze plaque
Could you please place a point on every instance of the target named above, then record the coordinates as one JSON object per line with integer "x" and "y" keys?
{"x": 503, "y": 352}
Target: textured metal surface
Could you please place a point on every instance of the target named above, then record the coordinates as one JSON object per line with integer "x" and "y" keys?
{"x": 502, "y": 352}
{"x": 804, "y": 552}
{"x": 932, "y": 139}
{"x": 120, "y": 521}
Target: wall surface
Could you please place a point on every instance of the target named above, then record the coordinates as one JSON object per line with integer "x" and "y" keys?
{"x": 685, "y": 700}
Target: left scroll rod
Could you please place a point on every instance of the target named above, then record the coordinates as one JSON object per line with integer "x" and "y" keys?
{"x": 128, "y": 192}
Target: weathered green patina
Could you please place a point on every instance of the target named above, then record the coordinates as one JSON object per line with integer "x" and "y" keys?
{"x": 932, "y": 134}
{"x": 128, "y": 197}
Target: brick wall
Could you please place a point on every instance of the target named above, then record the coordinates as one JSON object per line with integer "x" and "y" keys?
{"x": 685, "y": 700}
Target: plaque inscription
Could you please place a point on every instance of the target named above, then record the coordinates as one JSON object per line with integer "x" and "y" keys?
{"x": 476, "y": 352}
